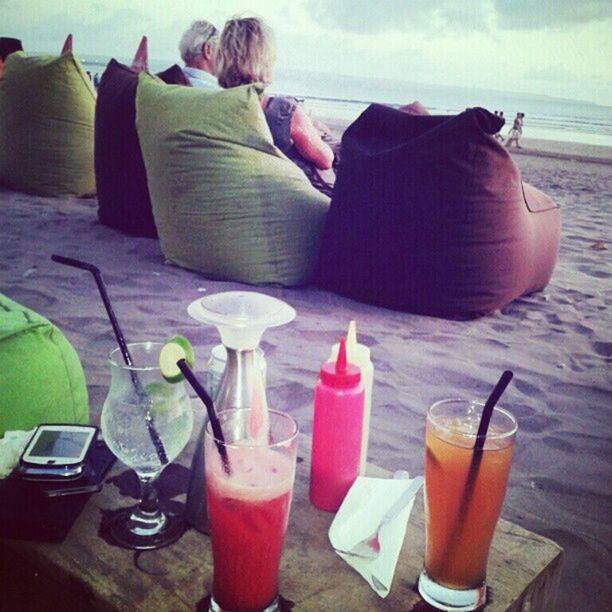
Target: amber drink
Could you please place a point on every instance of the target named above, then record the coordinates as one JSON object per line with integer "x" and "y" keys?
{"x": 463, "y": 500}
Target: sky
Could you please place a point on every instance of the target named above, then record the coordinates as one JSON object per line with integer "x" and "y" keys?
{"x": 560, "y": 48}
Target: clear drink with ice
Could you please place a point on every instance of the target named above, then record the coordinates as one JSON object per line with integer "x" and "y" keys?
{"x": 135, "y": 391}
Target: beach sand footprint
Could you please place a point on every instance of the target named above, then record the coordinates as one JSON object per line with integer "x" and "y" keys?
{"x": 539, "y": 423}
{"x": 603, "y": 348}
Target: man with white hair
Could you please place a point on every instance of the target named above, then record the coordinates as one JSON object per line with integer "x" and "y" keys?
{"x": 197, "y": 47}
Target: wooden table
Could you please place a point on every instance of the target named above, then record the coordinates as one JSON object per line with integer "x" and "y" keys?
{"x": 84, "y": 572}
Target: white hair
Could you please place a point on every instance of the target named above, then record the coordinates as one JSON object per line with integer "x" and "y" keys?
{"x": 198, "y": 34}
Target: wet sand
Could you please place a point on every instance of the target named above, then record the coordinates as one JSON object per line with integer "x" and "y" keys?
{"x": 558, "y": 343}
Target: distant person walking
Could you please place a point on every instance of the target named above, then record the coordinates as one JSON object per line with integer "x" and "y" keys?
{"x": 516, "y": 131}
{"x": 498, "y": 135}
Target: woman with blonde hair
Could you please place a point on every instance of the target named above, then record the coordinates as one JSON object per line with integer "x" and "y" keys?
{"x": 245, "y": 55}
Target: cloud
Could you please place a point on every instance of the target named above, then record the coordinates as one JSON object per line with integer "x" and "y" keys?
{"x": 536, "y": 14}
{"x": 97, "y": 32}
{"x": 365, "y": 16}
{"x": 553, "y": 74}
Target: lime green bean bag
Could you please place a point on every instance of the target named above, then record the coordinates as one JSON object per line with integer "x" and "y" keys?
{"x": 47, "y": 106}
{"x": 227, "y": 203}
{"x": 41, "y": 378}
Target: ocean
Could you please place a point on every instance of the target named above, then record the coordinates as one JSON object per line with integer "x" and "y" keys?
{"x": 345, "y": 97}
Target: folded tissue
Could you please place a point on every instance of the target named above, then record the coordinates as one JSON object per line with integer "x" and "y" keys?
{"x": 369, "y": 528}
{"x": 11, "y": 447}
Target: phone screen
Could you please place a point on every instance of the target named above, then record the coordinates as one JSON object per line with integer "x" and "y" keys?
{"x": 64, "y": 444}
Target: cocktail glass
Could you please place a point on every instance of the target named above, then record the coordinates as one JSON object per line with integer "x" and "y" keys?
{"x": 463, "y": 500}
{"x": 248, "y": 509}
{"x": 133, "y": 390}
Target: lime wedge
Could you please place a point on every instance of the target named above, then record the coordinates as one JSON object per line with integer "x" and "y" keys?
{"x": 161, "y": 396}
{"x": 176, "y": 348}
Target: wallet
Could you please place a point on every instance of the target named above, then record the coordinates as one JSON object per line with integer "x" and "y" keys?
{"x": 45, "y": 511}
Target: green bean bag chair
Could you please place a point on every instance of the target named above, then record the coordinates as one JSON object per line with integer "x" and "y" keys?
{"x": 41, "y": 378}
{"x": 227, "y": 203}
{"x": 47, "y": 126}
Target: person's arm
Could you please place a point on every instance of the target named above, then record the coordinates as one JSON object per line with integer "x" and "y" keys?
{"x": 414, "y": 108}
{"x": 308, "y": 142}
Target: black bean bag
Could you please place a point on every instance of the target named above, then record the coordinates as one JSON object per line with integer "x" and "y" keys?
{"x": 123, "y": 196}
{"x": 429, "y": 215}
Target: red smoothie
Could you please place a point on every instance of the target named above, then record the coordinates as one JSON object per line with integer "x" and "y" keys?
{"x": 248, "y": 513}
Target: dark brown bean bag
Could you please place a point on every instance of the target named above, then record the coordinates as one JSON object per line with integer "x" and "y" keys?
{"x": 429, "y": 215}
{"x": 123, "y": 196}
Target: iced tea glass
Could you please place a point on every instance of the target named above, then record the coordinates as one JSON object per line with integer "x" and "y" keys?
{"x": 248, "y": 509}
{"x": 463, "y": 500}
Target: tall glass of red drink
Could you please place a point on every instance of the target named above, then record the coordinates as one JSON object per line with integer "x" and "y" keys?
{"x": 463, "y": 500}
{"x": 248, "y": 509}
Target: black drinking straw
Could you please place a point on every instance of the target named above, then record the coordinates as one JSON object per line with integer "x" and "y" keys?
{"x": 487, "y": 412}
{"x": 481, "y": 435}
{"x": 142, "y": 394}
{"x": 210, "y": 408}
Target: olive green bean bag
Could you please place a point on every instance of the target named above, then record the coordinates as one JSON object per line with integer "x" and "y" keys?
{"x": 41, "y": 378}
{"x": 47, "y": 126}
{"x": 227, "y": 203}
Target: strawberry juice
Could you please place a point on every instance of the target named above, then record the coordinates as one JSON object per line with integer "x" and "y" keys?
{"x": 248, "y": 512}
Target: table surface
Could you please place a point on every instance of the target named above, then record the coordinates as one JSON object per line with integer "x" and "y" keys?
{"x": 523, "y": 571}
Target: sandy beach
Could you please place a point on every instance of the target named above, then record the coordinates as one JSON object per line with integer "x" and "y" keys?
{"x": 557, "y": 342}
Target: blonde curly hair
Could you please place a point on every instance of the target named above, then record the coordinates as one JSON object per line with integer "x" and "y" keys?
{"x": 245, "y": 53}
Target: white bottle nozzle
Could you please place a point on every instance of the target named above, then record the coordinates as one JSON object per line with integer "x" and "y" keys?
{"x": 351, "y": 336}
{"x": 359, "y": 355}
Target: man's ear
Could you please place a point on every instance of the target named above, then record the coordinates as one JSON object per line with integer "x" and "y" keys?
{"x": 207, "y": 51}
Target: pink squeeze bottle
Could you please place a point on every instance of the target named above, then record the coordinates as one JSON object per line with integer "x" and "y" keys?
{"x": 336, "y": 433}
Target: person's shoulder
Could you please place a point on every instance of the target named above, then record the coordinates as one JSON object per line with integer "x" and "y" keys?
{"x": 199, "y": 78}
{"x": 284, "y": 101}
{"x": 281, "y": 105}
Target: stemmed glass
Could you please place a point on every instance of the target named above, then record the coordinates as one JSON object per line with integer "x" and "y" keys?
{"x": 142, "y": 414}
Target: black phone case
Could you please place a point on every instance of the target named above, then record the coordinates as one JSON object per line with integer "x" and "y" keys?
{"x": 30, "y": 510}
{"x": 99, "y": 461}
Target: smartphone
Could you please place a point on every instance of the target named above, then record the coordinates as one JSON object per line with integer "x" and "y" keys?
{"x": 57, "y": 451}
{"x": 98, "y": 463}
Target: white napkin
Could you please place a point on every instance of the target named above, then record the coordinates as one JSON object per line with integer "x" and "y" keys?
{"x": 11, "y": 447}
{"x": 360, "y": 515}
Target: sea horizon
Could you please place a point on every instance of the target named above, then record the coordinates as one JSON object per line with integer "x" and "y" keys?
{"x": 344, "y": 97}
